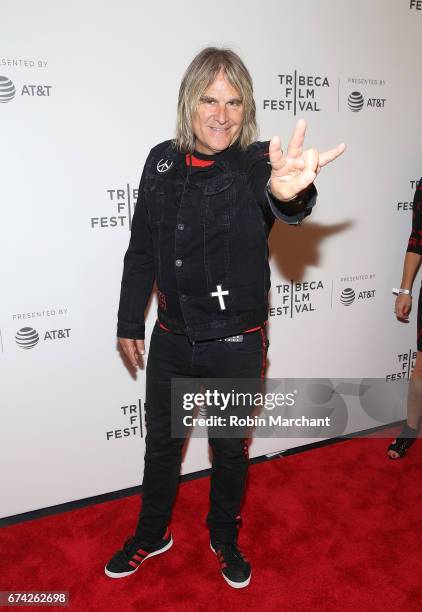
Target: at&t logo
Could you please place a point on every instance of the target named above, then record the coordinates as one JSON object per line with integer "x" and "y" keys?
{"x": 348, "y": 295}
{"x": 7, "y": 89}
{"x": 356, "y": 102}
{"x": 28, "y": 337}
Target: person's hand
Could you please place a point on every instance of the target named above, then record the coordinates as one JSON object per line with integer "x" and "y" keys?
{"x": 294, "y": 171}
{"x": 403, "y": 307}
{"x": 133, "y": 349}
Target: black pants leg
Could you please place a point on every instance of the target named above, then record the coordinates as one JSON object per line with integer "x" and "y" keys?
{"x": 169, "y": 356}
{"x": 230, "y": 461}
{"x": 172, "y": 356}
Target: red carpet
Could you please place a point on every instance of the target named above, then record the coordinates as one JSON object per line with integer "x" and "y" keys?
{"x": 336, "y": 528}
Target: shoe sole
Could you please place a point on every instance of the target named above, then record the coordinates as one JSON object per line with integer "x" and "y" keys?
{"x": 153, "y": 554}
{"x": 395, "y": 458}
{"x": 235, "y": 585}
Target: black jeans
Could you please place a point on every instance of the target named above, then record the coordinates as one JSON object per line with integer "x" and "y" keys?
{"x": 172, "y": 356}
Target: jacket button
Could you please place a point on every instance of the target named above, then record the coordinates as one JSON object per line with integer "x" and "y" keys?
{"x": 183, "y": 297}
{"x": 180, "y": 226}
{"x": 178, "y": 262}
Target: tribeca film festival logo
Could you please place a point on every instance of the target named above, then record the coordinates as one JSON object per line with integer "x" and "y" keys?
{"x": 295, "y": 298}
{"x": 299, "y": 93}
{"x": 405, "y": 364}
{"x": 133, "y": 415}
{"x": 123, "y": 203}
{"x": 415, "y": 5}
{"x": 350, "y": 294}
{"x": 407, "y": 205}
{"x": 8, "y": 90}
{"x": 356, "y": 101}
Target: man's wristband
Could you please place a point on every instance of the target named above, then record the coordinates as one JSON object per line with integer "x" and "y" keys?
{"x": 402, "y": 291}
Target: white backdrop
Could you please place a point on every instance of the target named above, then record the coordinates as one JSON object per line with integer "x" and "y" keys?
{"x": 86, "y": 89}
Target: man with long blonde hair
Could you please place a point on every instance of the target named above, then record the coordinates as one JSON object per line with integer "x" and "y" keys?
{"x": 207, "y": 201}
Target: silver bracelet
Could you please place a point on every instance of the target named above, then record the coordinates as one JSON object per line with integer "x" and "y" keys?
{"x": 402, "y": 291}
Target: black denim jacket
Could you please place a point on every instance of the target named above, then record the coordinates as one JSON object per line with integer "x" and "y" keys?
{"x": 202, "y": 233}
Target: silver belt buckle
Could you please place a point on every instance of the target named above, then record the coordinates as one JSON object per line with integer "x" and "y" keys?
{"x": 238, "y": 338}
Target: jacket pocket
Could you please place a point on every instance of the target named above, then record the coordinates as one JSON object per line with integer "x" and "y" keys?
{"x": 218, "y": 186}
{"x": 217, "y": 195}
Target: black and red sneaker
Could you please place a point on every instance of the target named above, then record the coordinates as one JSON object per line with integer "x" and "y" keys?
{"x": 127, "y": 560}
{"x": 235, "y": 567}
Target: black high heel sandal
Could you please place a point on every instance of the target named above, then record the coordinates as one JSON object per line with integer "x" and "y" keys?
{"x": 403, "y": 442}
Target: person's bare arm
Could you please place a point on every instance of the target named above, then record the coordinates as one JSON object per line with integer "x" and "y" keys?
{"x": 403, "y": 305}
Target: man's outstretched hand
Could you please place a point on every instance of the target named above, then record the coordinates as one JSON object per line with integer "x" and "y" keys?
{"x": 295, "y": 170}
{"x": 133, "y": 349}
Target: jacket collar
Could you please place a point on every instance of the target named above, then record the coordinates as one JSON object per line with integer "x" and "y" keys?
{"x": 225, "y": 160}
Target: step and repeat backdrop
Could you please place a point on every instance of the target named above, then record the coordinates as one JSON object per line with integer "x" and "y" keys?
{"x": 86, "y": 89}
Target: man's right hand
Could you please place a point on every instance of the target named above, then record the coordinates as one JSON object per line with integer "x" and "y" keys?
{"x": 134, "y": 350}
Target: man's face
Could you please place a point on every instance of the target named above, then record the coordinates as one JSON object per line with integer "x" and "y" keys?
{"x": 218, "y": 119}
